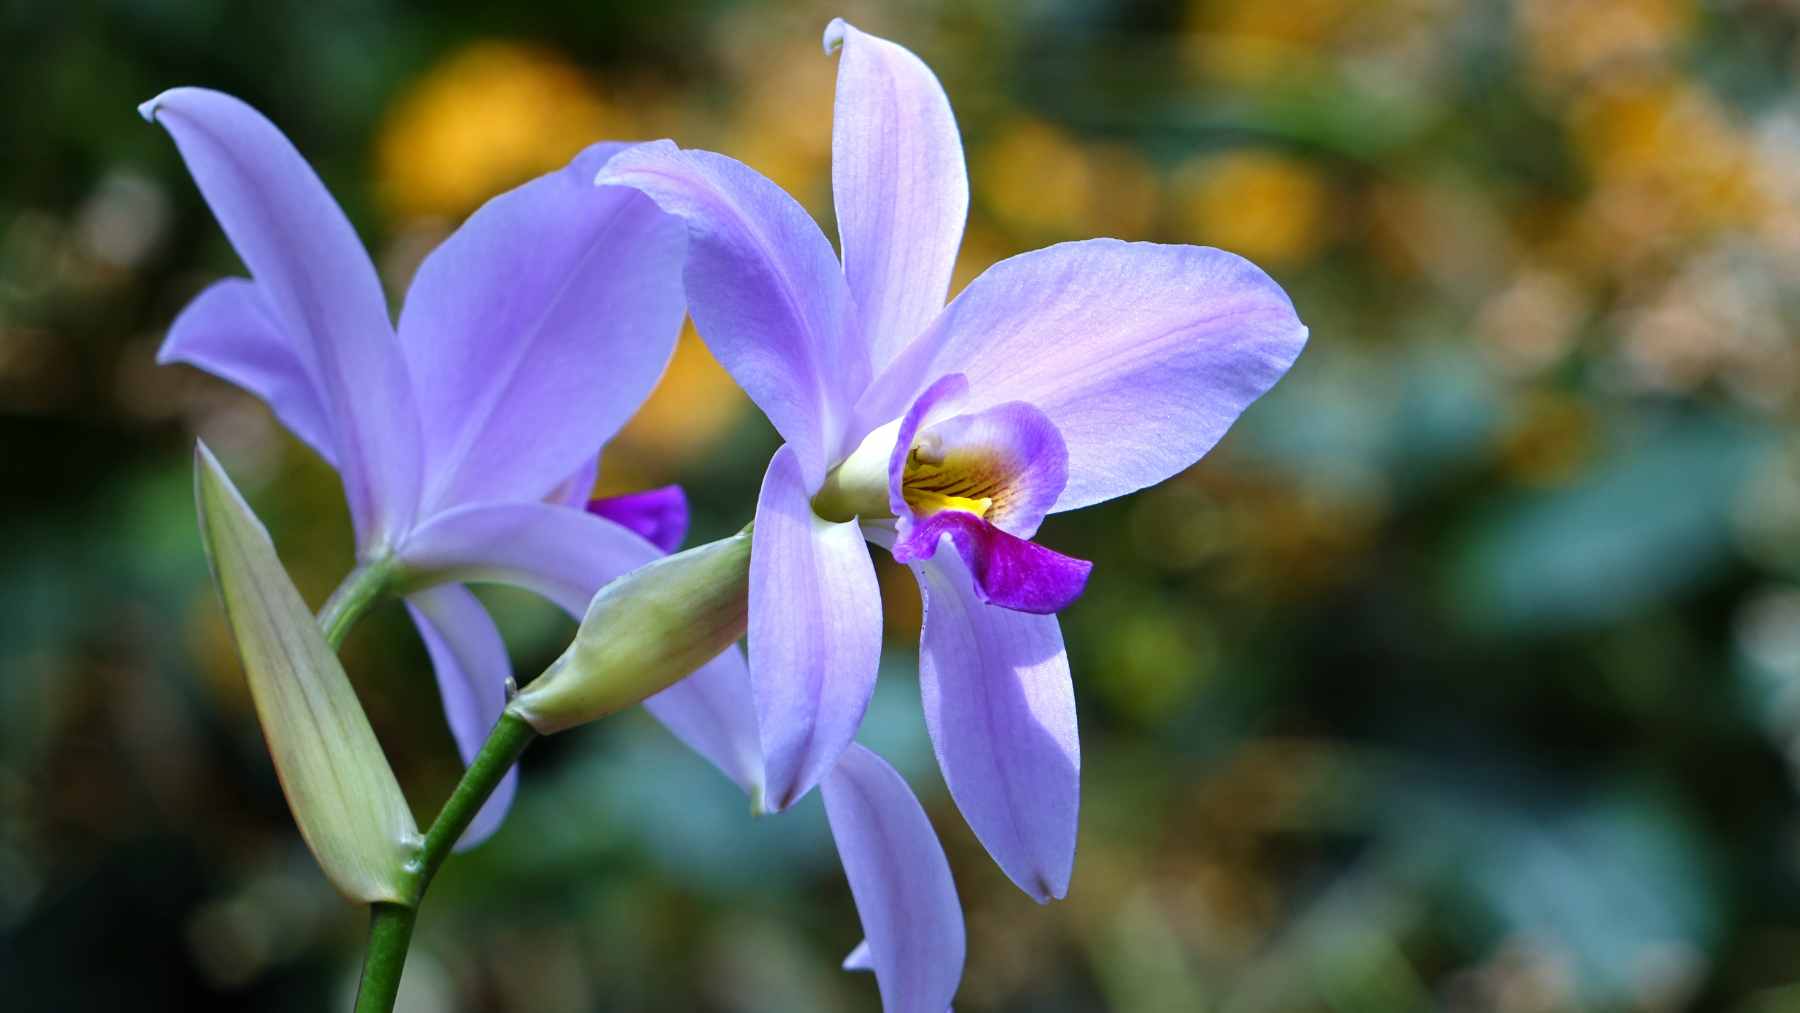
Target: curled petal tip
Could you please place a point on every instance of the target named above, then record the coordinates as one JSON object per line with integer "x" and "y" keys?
{"x": 609, "y": 174}
{"x": 148, "y": 109}
{"x": 834, "y": 35}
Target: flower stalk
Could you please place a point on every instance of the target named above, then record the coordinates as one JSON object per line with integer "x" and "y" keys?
{"x": 391, "y": 924}
{"x": 359, "y": 591}
{"x": 642, "y": 632}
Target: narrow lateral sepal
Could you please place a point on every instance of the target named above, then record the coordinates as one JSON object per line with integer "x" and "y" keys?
{"x": 339, "y": 786}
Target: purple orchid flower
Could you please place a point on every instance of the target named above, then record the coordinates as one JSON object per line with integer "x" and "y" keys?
{"x": 1058, "y": 379}
{"x": 467, "y": 436}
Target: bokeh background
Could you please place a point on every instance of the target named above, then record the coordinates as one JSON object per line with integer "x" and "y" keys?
{"x": 1464, "y": 675}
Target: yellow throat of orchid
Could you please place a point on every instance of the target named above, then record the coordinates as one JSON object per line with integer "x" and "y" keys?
{"x": 934, "y": 480}
{"x": 955, "y": 482}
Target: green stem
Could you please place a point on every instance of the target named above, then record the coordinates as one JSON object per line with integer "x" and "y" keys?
{"x": 498, "y": 754}
{"x": 390, "y": 933}
{"x": 391, "y": 925}
{"x": 361, "y": 589}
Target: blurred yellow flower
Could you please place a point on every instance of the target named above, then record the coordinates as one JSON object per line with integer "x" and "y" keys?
{"x": 487, "y": 118}
{"x": 1667, "y": 163}
{"x": 781, "y": 124}
{"x": 1269, "y": 207}
{"x": 1035, "y": 179}
{"x": 1246, "y": 43}
{"x": 693, "y": 406}
{"x": 1253, "y": 42}
{"x": 1567, "y": 42}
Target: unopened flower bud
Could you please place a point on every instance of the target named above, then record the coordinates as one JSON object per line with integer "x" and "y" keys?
{"x": 337, "y": 780}
{"x": 643, "y": 633}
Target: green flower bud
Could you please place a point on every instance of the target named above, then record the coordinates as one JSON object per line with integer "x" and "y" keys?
{"x": 643, "y": 633}
{"x": 337, "y": 781}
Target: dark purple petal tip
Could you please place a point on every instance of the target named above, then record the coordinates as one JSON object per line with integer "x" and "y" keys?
{"x": 660, "y": 515}
{"x": 1009, "y": 571}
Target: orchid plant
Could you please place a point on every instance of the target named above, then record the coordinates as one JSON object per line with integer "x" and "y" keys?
{"x": 468, "y": 434}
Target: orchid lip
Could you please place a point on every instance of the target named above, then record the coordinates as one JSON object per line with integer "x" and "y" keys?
{"x": 977, "y": 482}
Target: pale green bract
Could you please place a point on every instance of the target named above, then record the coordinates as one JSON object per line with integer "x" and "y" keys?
{"x": 343, "y": 794}
{"x": 642, "y": 633}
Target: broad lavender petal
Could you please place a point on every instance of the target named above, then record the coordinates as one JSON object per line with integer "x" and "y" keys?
{"x": 1141, "y": 354}
{"x": 1008, "y": 571}
{"x": 815, "y": 632}
{"x": 901, "y": 189}
{"x": 713, "y": 714}
{"x": 765, "y": 291}
{"x": 536, "y": 330}
{"x": 659, "y": 516}
{"x": 561, "y": 553}
{"x": 578, "y": 489}
{"x": 901, "y": 881}
{"x": 228, "y": 331}
{"x": 320, "y": 288}
{"x": 472, "y": 668}
{"x": 1000, "y": 707}
{"x": 567, "y": 555}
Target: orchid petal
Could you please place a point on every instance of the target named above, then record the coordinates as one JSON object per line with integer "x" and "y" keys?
{"x": 815, "y": 632}
{"x": 1008, "y": 571}
{"x": 320, "y": 288}
{"x": 227, "y": 330}
{"x": 659, "y": 516}
{"x": 712, "y": 713}
{"x": 561, "y": 553}
{"x": 472, "y": 668}
{"x": 858, "y": 959}
{"x": 901, "y": 189}
{"x": 1141, "y": 355}
{"x": 567, "y": 555}
{"x": 901, "y": 880}
{"x": 536, "y": 330}
{"x": 1001, "y": 711}
{"x": 765, "y": 291}
{"x": 578, "y": 489}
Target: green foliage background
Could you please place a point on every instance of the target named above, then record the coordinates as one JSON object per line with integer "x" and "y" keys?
{"x": 1465, "y": 674}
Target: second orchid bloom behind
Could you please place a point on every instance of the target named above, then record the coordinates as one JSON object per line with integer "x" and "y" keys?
{"x": 467, "y": 436}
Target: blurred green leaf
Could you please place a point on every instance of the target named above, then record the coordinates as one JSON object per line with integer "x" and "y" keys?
{"x": 1636, "y": 531}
